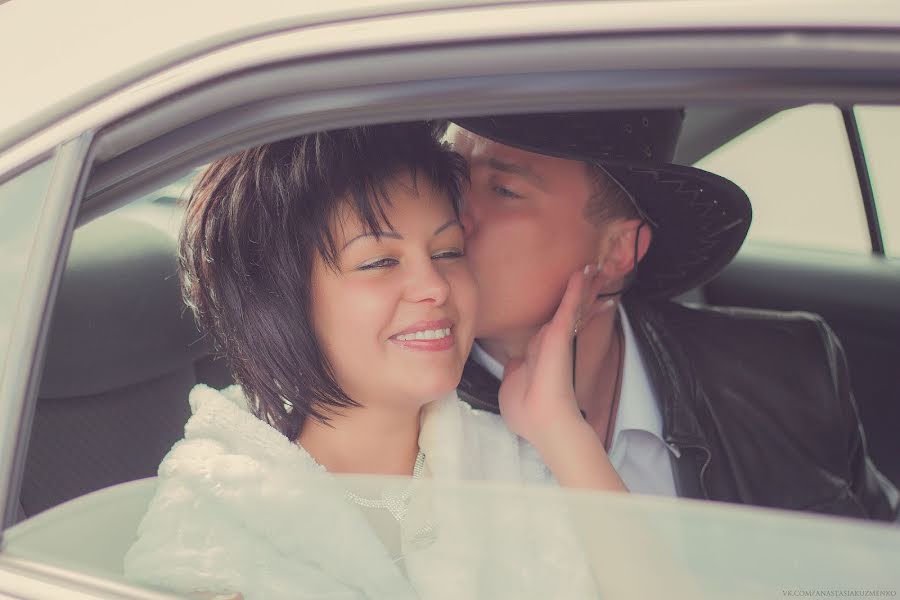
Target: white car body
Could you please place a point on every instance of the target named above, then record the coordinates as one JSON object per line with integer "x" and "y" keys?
{"x": 120, "y": 99}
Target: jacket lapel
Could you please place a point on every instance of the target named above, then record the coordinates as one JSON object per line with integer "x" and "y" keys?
{"x": 673, "y": 381}
{"x": 479, "y": 388}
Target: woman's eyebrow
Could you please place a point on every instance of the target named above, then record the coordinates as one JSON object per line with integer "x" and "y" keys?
{"x": 449, "y": 223}
{"x": 396, "y": 236}
{"x": 388, "y": 234}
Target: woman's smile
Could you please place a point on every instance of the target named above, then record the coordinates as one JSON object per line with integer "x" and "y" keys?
{"x": 431, "y": 336}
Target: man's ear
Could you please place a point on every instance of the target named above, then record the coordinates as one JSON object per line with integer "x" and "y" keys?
{"x": 617, "y": 254}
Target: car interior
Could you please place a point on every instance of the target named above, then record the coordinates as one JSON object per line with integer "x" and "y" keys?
{"x": 123, "y": 350}
{"x": 856, "y": 293}
{"x": 122, "y": 356}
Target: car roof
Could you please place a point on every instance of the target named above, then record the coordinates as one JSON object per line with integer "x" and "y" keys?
{"x": 70, "y": 54}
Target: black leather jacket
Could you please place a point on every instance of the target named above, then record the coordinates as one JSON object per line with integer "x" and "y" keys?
{"x": 758, "y": 405}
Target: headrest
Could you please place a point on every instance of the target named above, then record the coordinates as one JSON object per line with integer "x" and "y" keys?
{"x": 119, "y": 318}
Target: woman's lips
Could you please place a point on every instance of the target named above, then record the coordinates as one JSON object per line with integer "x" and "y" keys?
{"x": 430, "y": 336}
{"x": 444, "y": 343}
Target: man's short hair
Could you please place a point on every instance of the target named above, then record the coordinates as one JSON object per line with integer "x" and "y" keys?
{"x": 254, "y": 225}
{"x": 608, "y": 199}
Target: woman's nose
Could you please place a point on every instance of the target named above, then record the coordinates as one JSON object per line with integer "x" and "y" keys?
{"x": 429, "y": 284}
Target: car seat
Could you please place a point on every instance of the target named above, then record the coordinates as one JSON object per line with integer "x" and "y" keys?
{"x": 123, "y": 352}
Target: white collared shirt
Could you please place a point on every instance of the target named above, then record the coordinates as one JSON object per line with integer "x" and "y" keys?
{"x": 639, "y": 453}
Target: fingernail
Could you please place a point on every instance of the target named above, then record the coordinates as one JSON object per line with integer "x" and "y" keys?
{"x": 607, "y": 304}
{"x": 587, "y": 269}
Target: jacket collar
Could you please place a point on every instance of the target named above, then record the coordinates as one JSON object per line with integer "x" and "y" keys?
{"x": 672, "y": 376}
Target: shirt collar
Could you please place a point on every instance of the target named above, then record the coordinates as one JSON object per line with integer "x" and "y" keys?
{"x": 487, "y": 361}
{"x": 638, "y": 410}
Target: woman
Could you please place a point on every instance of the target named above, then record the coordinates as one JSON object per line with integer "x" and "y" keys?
{"x": 330, "y": 270}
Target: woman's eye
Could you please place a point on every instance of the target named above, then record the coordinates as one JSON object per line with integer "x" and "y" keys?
{"x": 454, "y": 253}
{"x": 378, "y": 264}
{"x": 504, "y": 192}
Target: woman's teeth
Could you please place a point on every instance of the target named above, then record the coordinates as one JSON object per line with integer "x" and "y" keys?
{"x": 428, "y": 334}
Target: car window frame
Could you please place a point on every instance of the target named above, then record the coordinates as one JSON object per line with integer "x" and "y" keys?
{"x": 864, "y": 179}
{"x": 861, "y": 171}
{"x": 45, "y": 265}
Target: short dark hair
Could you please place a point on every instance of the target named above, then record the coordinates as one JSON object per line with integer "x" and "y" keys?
{"x": 608, "y": 199}
{"x": 255, "y": 223}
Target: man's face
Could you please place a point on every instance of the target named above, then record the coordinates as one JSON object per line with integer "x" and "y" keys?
{"x": 526, "y": 232}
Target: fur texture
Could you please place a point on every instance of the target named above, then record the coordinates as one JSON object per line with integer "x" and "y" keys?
{"x": 240, "y": 508}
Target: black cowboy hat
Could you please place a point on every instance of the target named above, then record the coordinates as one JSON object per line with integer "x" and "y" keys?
{"x": 699, "y": 219}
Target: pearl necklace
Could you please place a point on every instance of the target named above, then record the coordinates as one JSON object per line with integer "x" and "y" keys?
{"x": 396, "y": 504}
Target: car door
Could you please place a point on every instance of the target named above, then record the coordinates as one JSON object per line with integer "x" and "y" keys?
{"x": 825, "y": 238}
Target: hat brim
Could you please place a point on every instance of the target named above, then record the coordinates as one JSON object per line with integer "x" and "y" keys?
{"x": 699, "y": 219}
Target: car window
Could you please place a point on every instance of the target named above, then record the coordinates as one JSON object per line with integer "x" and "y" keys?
{"x": 163, "y": 208}
{"x": 124, "y": 375}
{"x": 693, "y": 552}
{"x": 120, "y": 336}
{"x": 879, "y": 128}
{"x": 129, "y": 380}
{"x": 20, "y": 208}
{"x": 798, "y": 171}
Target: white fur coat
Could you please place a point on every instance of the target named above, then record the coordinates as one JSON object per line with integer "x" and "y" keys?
{"x": 239, "y": 508}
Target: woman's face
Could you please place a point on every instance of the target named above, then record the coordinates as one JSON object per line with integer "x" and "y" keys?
{"x": 396, "y": 318}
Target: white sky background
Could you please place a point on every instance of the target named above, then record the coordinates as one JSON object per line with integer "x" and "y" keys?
{"x": 52, "y": 49}
{"x": 880, "y": 132}
{"x": 798, "y": 171}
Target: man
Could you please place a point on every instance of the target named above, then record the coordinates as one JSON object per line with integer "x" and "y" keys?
{"x": 724, "y": 404}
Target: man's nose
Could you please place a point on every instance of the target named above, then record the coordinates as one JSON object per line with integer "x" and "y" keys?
{"x": 428, "y": 284}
